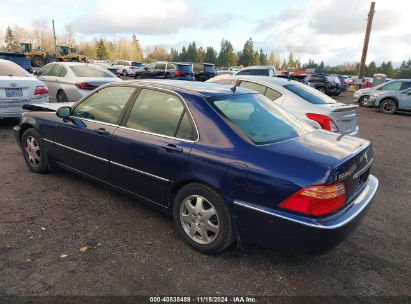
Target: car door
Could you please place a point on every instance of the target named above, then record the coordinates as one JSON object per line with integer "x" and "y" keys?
{"x": 404, "y": 100}
{"x": 160, "y": 70}
{"x": 44, "y": 74}
{"x": 83, "y": 142}
{"x": 54, "y": 78}
{"x": 149, "y": 71}
{"x": 150, "y": 150}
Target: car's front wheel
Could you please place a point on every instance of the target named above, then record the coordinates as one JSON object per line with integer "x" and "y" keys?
{"x": 202, "y": 219}
{"x": 388, "y": 106}
{"x": 363, "y": 101}
{"x": 34, "y": 152}
{"x": 125, "y": 73}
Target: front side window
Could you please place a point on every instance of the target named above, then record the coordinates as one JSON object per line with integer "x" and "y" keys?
{"x": 160, "y": 113}
{"x": 105, "y": 105}
{"x": 45, "y": 71}
{"x": 56, "y": 70}
{"x": 259, "y": 119}
{"x": 391, "y": 86}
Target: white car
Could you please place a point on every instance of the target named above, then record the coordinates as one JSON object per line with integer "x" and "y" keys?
{"x": 126, "y": 67}
{"x": 17, "y": 88}
{"x": 302, "y": 101}
{"x": 71, "y": 81}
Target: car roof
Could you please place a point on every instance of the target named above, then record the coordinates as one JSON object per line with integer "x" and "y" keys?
{"x": 258, "y": 67}
{"x": 202, "y": 89}
{"x": 268, "y": 80}
{"x": 75, "y": 64}
{"x": 12, "y": 53}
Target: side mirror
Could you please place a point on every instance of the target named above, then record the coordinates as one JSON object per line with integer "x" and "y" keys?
{"x": 64, "y": 112}
{"x": 409, "y": 93}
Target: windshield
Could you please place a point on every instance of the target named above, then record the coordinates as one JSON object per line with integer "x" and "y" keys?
{"x": 8, "y": 68}
{"x": 90, "y": 71}
{"x": 257, "y": 118}
{"x": 209, "y": 68}
{"x": 137, "y": 64}
{"x": 309, "y": 94}
{"x": 20, "y": 60}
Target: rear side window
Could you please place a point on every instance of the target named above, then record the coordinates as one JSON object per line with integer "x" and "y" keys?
{"x": 90, "y": 71}
{"x": 272, "y": 94}
{"x": 253, "y": 86}
{"x": 225, "y": 81}
{"x": 160, "y": 66}
{"x": 160, "y": 113}
{"x": 171, "y": 66}
{"x": 309, "y": 94}
{"x": 8, "y": 68}
{"x": 405, "y": 85}
{"x": 105, "y": 105}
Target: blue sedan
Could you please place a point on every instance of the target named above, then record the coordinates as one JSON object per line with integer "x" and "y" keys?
{"x": 225, "y": 162}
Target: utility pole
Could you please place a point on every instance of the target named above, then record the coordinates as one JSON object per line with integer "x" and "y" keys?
{"x": 366, "y": 40}
{"x": 54, "y": 37}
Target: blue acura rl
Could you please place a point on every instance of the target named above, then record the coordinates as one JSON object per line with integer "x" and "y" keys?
{"x": 226, "y": 162}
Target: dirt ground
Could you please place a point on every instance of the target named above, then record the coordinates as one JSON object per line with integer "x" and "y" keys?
{"x": 64, "y": 235}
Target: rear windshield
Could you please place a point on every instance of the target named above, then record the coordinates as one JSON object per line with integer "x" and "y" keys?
{"x": 309, "y": 94}
{"x": 8, "y": 68}
{"x": 137, "y": 64}
{"x": 209, "y": 68}
{"x": 89, "y": 71}
{"x": 185, "y": 68}
{"x": 20, "y": 60}
{"x": 257, "y": 118}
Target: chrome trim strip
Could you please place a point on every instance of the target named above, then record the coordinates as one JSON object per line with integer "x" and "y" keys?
{"x": 95, "y": 121}
{"x": 48, "y": 140}
{"x": 82, "y": 152}
{"x": 157, "y": 134}
{"x": 363, "y": 169}
{"x": 139, "y": 171}
{"x": 363, "y": 198}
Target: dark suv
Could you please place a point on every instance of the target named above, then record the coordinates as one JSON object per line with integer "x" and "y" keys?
{"x": 19, "y": 59}
{"x": 204, "y": 71}
{"x": 164, "y": 69}
{"x": 322, "y": 82}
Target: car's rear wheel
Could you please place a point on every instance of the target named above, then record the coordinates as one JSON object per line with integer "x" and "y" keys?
{"x": 202, "y": 219}
{"x": 125, "y": 73}
{"x": 321, "y": 89}
{"x": 34, "y": 152}
{"x": 61, "y": 96}
{"x": 138, "y": 76}
{"x": 388, "y": 106}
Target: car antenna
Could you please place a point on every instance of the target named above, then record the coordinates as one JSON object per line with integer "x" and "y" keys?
{"x": 235, "y": 87}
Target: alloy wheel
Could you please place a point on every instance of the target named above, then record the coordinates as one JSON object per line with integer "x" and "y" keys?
{"x": 388, "y": 107}
{"x": 32, "y": 149}
{"x": 199, "y": 219}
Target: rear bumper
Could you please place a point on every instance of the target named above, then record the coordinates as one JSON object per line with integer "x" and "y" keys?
{"x": 274, "y": 228}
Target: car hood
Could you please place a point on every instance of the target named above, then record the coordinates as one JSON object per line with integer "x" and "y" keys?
{"x": 365, "y": 91}
{"x": 47, "y": 107}
{"x": 323, "y": 147}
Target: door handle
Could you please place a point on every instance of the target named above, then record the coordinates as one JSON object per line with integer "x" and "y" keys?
{"x": 172, "y": 148}
{"x": 102, "y": 131}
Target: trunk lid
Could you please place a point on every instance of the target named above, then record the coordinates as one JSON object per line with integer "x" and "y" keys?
{"x": 16, "y": 91}
{"x": 344, "y": 116}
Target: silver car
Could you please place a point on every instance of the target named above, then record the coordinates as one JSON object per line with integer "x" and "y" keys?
{"x": 302, "y": 101}
{"x": 71, "y": 81}
{"x": 362, "y": 96}
{"x": 18, "y": 88}
{"x": 390, "y": 102}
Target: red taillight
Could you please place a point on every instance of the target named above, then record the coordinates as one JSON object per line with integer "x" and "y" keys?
{"x": 324, "y": 121}
{"x": 85, "y": 86}
{"x": 316, "y": 200}
{"x": 178, "y": 73}
{"x": 41, "y": 89}
{"x": 131, "y": 67}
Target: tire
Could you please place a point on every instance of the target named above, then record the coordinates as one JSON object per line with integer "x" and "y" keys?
{"x": 138, "y": 76}
{"x": 33, "y": 151}
{"x": 37, "y": 61}
{"x": 61, "y": 96}
{"x": 388, "y": 106}
{"x": 124, "y": 73}
{"x": 202, "y": 219}
{"x": 361, "y": 101}
{"x": 321, "y": 89}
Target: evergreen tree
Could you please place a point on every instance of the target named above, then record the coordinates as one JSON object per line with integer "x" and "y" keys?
{"x": 371, "y": 69}
{"x": 138, "y": 53}
{"x": 200, "y": 54}
{"x": 256, "y": 58}
{"x": 101, "y": 52}
{"x": 321, "y": 66}
{"x": 246, "y": 57}
{"x": 291, "y": 61}
{"x": 210, "y": 55}
{"x": 263, "y": 57}
{"x": 11, "y": 43}
{"x": 183, "y": 54}
{"x": 191, "y": 52}
{"x": 226, "y": 57}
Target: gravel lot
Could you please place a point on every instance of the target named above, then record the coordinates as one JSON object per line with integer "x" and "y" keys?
{"x": 118, "y": 246}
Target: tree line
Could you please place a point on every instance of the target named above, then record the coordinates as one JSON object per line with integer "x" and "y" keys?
{"x": 41, "y": 36}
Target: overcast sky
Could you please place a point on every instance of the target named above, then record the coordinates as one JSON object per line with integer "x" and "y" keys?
{"x": 329, "y": 30}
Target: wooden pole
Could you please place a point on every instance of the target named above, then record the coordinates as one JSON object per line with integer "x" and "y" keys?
{"x": 366, "y": 40}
